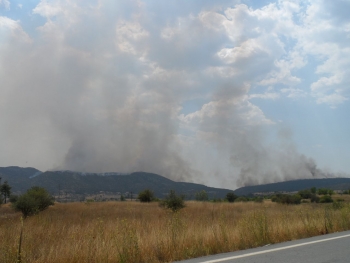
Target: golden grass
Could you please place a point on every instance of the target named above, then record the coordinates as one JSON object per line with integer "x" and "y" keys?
{"x": 136, "y": 232}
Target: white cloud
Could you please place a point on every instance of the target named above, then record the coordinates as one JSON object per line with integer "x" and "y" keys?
{"x": 128, "y": 34}
{"x": 294, "y": 93}
{"x": 48, "y": 9}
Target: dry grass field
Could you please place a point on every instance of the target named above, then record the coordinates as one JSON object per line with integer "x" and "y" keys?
{"x": 137, "y": 232}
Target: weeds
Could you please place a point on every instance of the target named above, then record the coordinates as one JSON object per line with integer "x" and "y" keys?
{"x": 135, "y": 232}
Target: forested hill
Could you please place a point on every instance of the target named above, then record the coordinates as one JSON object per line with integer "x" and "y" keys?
{"x": 296, "y": 185}
{"x": 22, "y": 179}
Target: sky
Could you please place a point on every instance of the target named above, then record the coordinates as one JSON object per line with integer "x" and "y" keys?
{"x": 224, "y": 93}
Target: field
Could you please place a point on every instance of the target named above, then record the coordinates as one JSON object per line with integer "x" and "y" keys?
{"x": 138, "y": 232}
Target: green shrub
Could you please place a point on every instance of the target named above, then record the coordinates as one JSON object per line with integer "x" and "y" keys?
{"x": 173, "y": 201}
{"x": 326, "y": 199}
{"x": 314, "y": 198}
{"x": 36, "y": 199}
{"x": 146, "y": 196}
{"x": 13, "y": 198}
{"x": 325, "y": 191}
{"x": 287, "y": 199}
{"x": 201, "y": 196}
{"x": 231, "y": 197}
{"x": 305, "y": 194}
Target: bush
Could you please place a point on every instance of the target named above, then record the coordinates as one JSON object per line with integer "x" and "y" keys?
{"x": 146, "y": 196}
{"x": 305, "y": 194}
{"x": 201, "y": 196}
{"x": 326, "y": 199}
{"x": 287, "y": 199}
{"x": 13, "y": 198}
{"x": 36, "y": 199}
{"x": 325, "y": 191}
{"x": 173, "y": 201}
{"x": 314, "y": 198}
{"x": 231, "y": 197}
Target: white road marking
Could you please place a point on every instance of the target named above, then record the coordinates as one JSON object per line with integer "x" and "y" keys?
{"x": 274, "y": 249}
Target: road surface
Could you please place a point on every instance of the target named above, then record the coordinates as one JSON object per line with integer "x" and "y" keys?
{"x": 331, "y": 248}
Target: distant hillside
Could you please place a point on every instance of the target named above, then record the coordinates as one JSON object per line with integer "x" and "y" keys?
{"x": 93, "y": 183}
{"x": 296, "y": 185}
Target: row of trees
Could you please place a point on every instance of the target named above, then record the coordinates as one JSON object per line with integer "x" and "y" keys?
{"x": 321, "y": 195}
{"x": 174, "y": 201}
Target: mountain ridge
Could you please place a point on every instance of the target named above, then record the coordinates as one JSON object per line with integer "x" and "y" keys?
{"x": 81, "y": 183}
{"x": 94, "y": 183}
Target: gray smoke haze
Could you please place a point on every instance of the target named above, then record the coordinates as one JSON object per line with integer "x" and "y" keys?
{"x": 134, "y": 86}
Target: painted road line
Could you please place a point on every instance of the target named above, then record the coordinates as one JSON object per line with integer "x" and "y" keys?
{"x": 274, "y": 249}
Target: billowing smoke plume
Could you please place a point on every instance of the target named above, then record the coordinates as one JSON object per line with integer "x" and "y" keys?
{"x": 141, "y": 86}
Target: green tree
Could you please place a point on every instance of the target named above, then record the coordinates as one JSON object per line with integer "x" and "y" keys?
{"x": 173, "y": 201}
{"x": 313, "y": 190}
{"x": 231, "y": 197}
{"x": 325, "y": 191}
{"x": 202, "y": 196}
{"x": 36, "y": 199}
{"x": 305, "y": 194}
{"x": 13, "y": 198}
{"x": 286, "y": 199}
{"x": 146, "y": 196}
{"x": 326, "y": 199}
{"x": 5, "y": 190}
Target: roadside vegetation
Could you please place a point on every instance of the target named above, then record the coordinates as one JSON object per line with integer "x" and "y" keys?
{"x": 146, "y": 232}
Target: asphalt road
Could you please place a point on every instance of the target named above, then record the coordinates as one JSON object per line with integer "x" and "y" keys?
{"x": 331, "y": 248}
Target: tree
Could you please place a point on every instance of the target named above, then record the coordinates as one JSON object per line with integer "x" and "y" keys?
{"x": 305, "y": 194}
{"x": 5, "y": 190}
{"x": 201, "y": 196}
{"x": 286, "y": 199}
{"x": 173, "y": 201}
{"x": 325, "y": 191}
{"x": 326, "y": 199}
{"x": 313, "y": 190}
{"x": 146, "y": 196}
{"x": 36, "y": 199}
{"x": 231, "y": 197}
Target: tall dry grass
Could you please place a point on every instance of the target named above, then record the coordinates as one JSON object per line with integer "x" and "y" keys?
{"x": 136, "y": 232}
